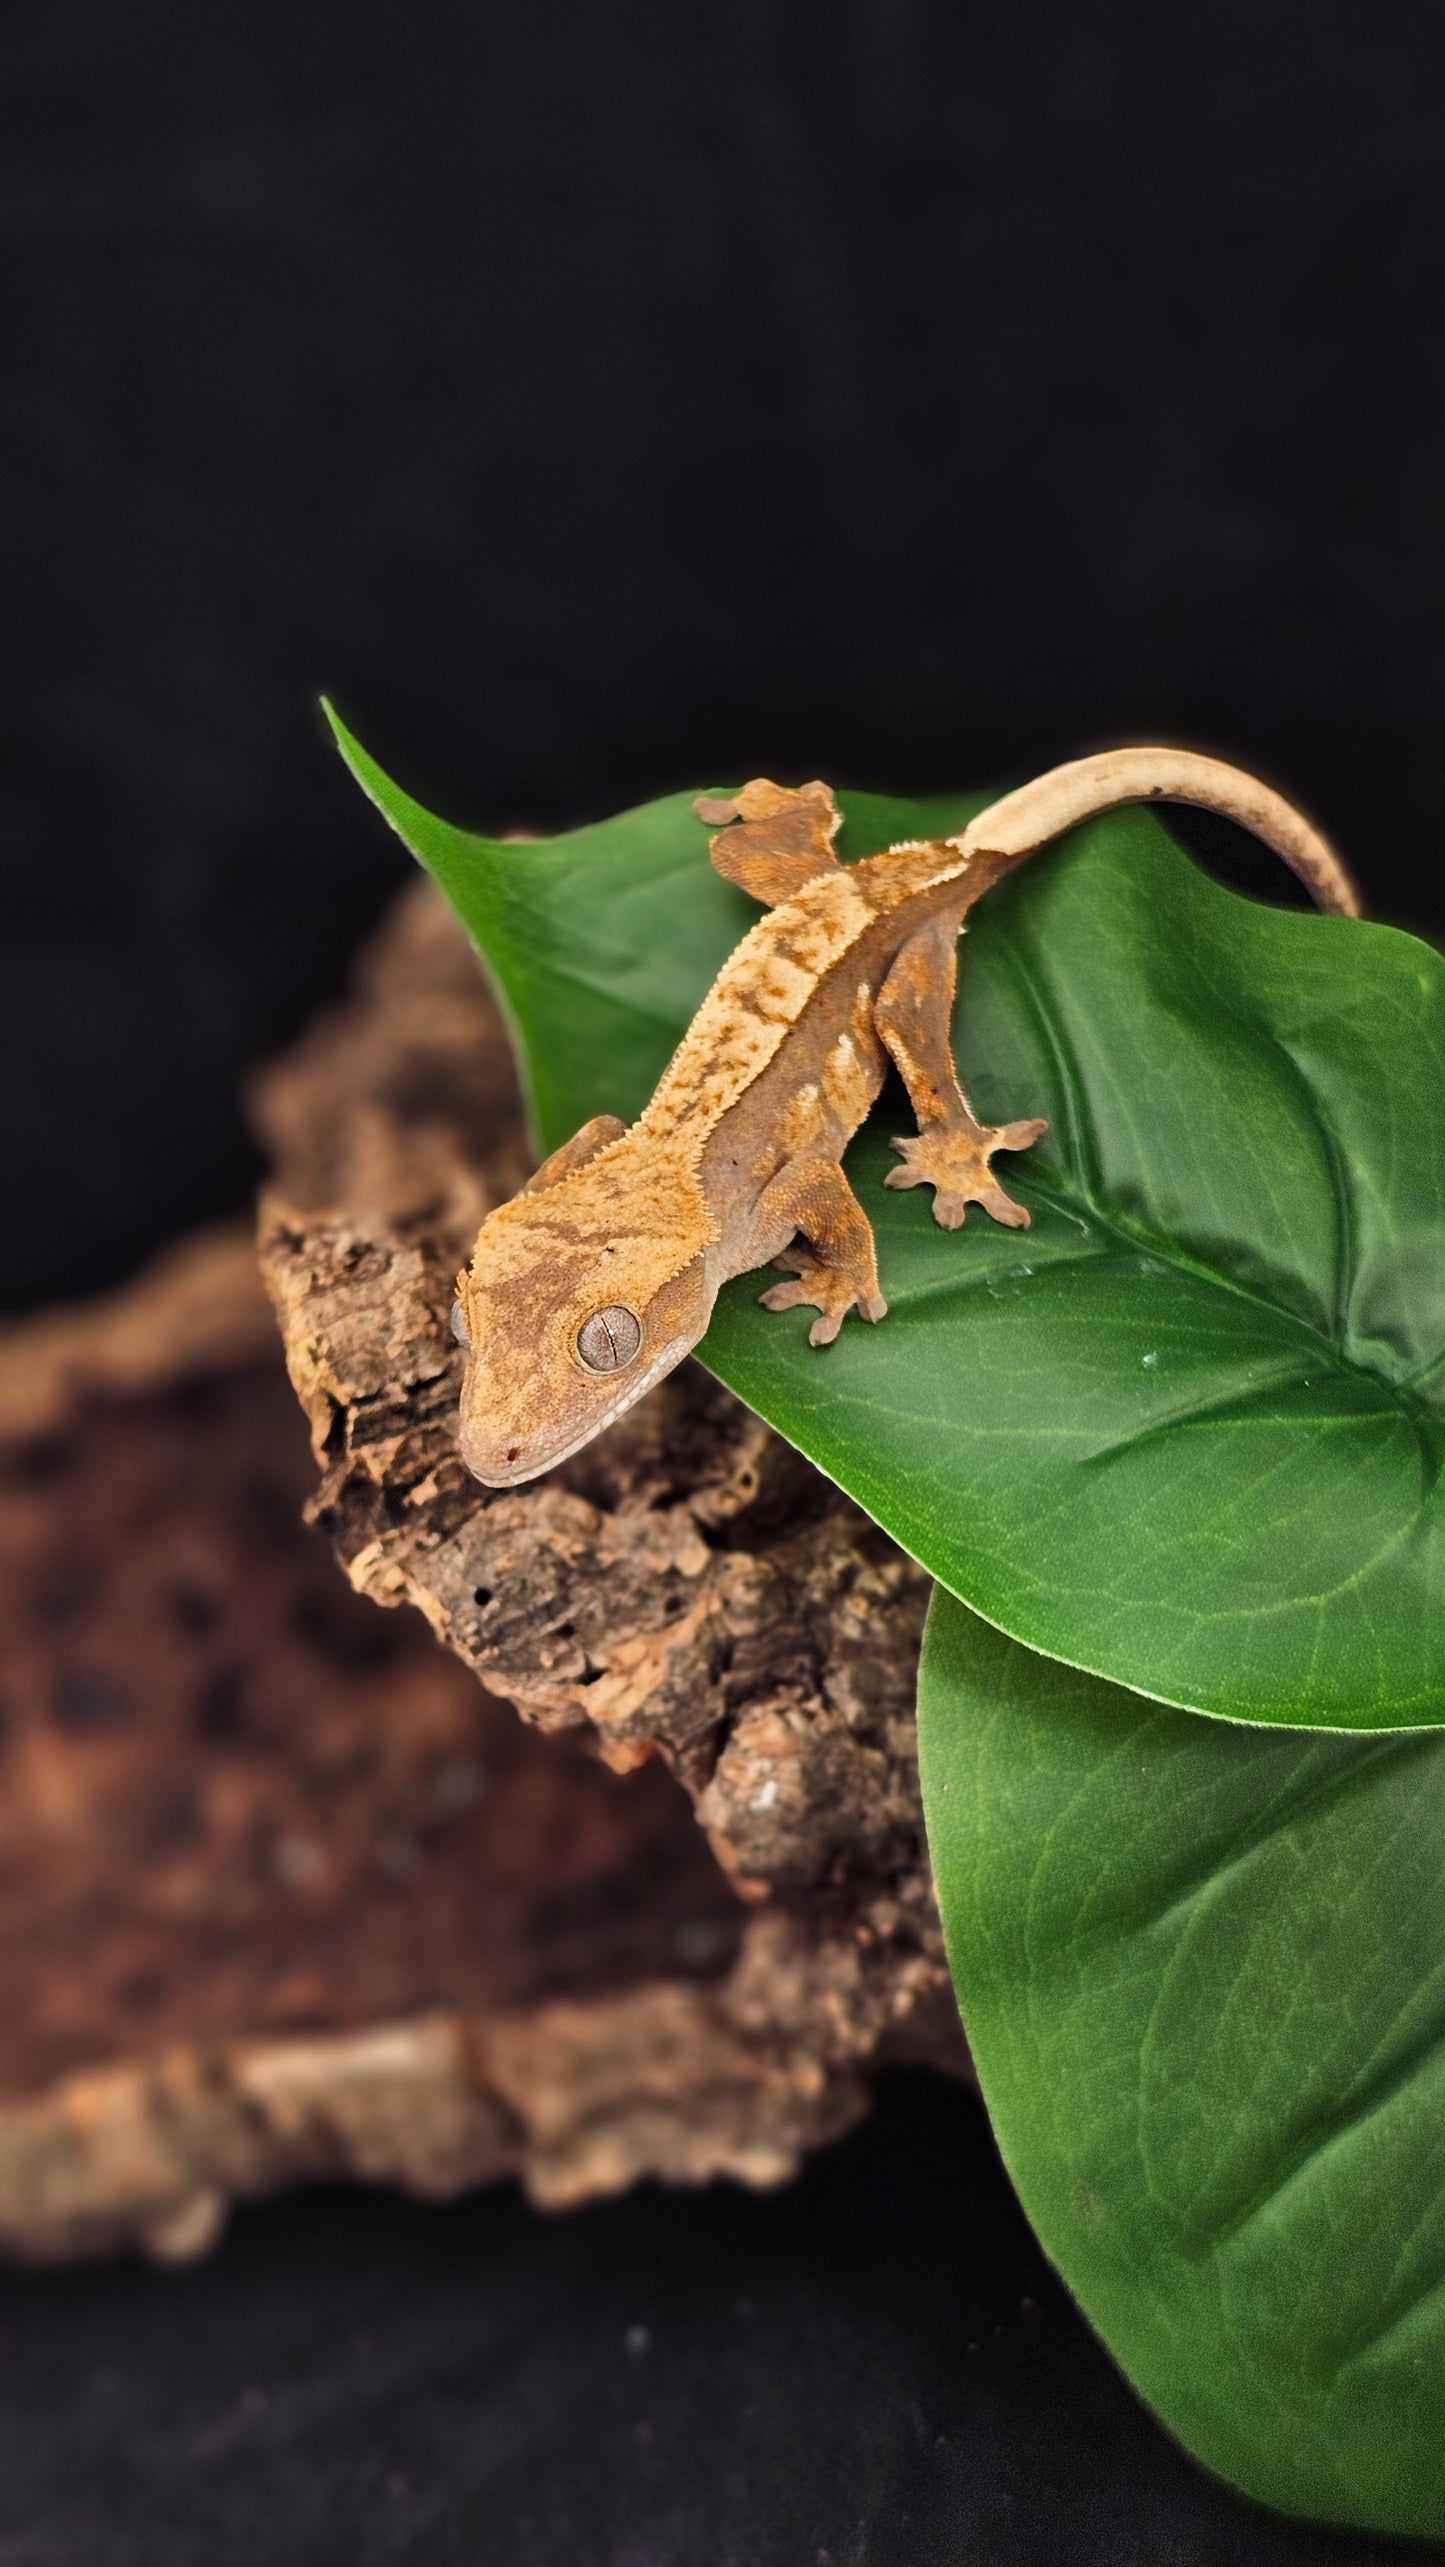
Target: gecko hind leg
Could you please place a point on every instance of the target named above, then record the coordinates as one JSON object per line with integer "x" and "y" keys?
{"x": 834, "y": 1260}
{"x": 952, "y": 1151}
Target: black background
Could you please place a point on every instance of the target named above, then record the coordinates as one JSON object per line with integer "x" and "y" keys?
{"x": 595, "y": 400}
{"x": 871, "y": 2369}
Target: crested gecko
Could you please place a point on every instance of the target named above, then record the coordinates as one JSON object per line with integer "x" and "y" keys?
{"x": 601, "y": 1274}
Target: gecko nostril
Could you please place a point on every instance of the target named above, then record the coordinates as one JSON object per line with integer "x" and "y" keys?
{"x": 513, "y": 1452}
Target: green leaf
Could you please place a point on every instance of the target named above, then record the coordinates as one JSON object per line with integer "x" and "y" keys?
{"x": 1202, "y": 1971}
{"x": 1188, "y": 1430}
{"x": 601, "y": 943}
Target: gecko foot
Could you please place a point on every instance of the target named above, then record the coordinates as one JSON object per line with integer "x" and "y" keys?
{"x": 821, "y": 1287}
{"x": 955, "y": 1162}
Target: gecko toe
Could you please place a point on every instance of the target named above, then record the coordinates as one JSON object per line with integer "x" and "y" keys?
{"x": 829, "y": 1296}
{"x": 954, "y": 1160}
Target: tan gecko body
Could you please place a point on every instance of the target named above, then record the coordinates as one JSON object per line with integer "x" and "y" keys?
{"x": 597, "y": 1279}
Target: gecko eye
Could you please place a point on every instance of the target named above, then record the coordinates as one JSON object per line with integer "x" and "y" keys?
{"x": 609, "y": 1339}
{"x": 458, "y": 1324}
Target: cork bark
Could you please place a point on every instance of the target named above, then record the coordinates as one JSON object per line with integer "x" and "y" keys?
{"x": 285, "y": 1891}
{"x": 687, "y": 1589}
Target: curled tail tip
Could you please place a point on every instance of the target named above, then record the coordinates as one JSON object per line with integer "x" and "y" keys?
{"x": 1150, "y": 773}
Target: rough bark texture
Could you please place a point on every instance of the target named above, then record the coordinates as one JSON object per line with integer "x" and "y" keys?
{"x": 284, "y": 1892}
{"x": 687, "y": 1589}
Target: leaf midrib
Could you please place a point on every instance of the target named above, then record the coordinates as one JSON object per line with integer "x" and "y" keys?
{"x": 1063, "y": 1199}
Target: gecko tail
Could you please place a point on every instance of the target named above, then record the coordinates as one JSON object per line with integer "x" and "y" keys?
{"x": 1023, "y": 820}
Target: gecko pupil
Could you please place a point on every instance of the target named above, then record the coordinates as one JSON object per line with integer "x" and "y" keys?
{"x": 609, "y": 1339}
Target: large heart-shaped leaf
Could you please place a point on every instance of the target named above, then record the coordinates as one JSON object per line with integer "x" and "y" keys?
{"x": 1187, "y": 1432}
{"x": 1203, "y": 1974}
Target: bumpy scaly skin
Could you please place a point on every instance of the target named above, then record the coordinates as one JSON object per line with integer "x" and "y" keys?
{"x": 735, "y": 1163}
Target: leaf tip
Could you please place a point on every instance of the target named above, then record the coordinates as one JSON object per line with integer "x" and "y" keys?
{"x": 413, "y": 825}
{"x": 350, "y": 747}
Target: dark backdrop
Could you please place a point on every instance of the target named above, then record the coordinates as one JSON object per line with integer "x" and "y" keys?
{"x": 597, "y": 399}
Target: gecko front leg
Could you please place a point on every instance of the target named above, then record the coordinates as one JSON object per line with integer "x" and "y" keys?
{"x": 837, "y": 1269}
{"x": 952, "y": 1151}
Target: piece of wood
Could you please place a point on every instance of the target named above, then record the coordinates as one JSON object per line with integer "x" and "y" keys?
{"x": 286, "y": 1893}
{"x": 686, "y": 1588}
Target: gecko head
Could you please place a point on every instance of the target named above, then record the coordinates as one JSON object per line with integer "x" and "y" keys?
{"x": 570, "y": 1309}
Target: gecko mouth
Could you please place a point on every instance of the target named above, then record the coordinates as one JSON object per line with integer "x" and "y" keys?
{"x": 511, "y": 1473}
